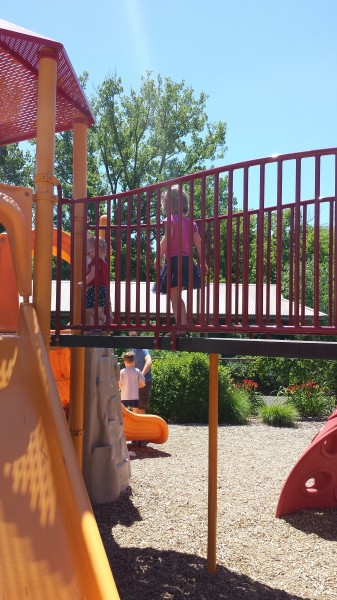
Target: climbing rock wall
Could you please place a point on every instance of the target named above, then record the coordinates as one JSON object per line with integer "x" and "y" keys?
{"x": 106, "y": 466}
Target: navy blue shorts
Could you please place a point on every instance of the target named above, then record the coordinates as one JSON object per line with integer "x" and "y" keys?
{"x": 91, "y": 296}
{"x": 185, "y": 265}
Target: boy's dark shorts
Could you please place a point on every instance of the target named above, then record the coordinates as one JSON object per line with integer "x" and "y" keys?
{"x": 144, "y": 395}
{"x": 131, "y": 403}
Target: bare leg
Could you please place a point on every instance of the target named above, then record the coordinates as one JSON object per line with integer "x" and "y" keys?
{"x": 175, "y": 300}
{"x": 139, "y": 411}
{"x": 90, "y": 316}
{"x": 101, "y": 315}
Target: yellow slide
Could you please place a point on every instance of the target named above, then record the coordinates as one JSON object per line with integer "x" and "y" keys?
{"x": 50, "y": 546}
{"x": 144, "y": 427}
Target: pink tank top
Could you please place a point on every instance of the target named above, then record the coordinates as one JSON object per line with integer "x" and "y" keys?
{"x": 185, "y": 234}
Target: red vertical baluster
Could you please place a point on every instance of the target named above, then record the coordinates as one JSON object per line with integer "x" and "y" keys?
{"x": 148, "y": 240}
{"x": 203, "y": 254}
{"x": 303, "y": 265}
{"x": 229, "y": 251}
{"x": 190, "y": 293}
{"x": 128, "y": 258}
{"x": 118, "y": 260}
{"x": 317, "y": 239}
{"x": 245, "y": 249}
{"x": 279, "y": 244}
{"x": 291, "y": 266}
{"x": 298, "y": 236}
{"x": 216, "y": 250}
{"x": 138, "y": 256}
{"x": 260, "y": 250}
{"x": 268, "y": 249}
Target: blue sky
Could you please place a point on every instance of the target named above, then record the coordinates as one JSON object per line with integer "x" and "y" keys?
{"x": 269, "y": 67}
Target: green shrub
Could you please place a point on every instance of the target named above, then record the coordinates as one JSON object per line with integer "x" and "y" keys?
{"x": 268, "y": 372}
{"x": 279, "y": 415}
{"x": 310, "y": 399}
{"x": 238, "y": 407}
{"x": 181, "y": 387}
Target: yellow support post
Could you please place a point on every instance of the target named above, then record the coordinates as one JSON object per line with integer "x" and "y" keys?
{"x": 77, "y": 354}
{"x": 45, "y": 181}
{"x": 212, "y": 460}
{"x": 103, "y": 220}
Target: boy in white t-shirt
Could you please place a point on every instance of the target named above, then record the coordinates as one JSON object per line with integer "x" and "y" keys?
{"x": 131, "y": 379}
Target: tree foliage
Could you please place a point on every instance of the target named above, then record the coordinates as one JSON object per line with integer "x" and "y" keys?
{"x": 96, "y": 184}
{"x": 16, "y": 166}
{"x": 159, "y": 132}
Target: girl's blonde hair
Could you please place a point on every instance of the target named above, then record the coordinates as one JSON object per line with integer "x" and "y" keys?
{"x": 177, "y": 200}
{"x": 91, "y": 244}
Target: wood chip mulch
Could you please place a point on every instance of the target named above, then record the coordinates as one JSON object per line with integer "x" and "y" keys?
{"x": 155, "y": 534}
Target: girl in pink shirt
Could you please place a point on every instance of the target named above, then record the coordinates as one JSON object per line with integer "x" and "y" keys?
{"x": 180, "y": 229}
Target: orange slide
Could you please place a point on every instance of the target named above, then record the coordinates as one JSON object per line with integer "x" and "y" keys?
{"x": 144, "y": 427}
{"x": 50, "y": 545}
{"x": 49, "y": 542}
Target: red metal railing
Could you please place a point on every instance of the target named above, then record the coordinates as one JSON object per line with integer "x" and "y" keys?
{"x": 268, "y": 232}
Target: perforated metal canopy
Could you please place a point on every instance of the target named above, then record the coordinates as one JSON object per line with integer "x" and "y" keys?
{"x": 19, "y": 63}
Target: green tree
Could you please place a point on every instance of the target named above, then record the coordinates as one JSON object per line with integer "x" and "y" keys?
{"x": 16, "y": 166}
{"x": 96, "y": 185}
{"x": 160, "y": 132}
{"x": 324, "y": 264}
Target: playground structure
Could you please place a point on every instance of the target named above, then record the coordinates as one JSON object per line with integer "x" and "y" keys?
{"x": 56, "y": 518}
{"x": 50, "y": 544}
{"x": 217, "y": 310}
{"x": 47, "y": 530}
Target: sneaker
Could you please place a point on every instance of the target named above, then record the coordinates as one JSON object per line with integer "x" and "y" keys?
{"x": 132, "y": 454}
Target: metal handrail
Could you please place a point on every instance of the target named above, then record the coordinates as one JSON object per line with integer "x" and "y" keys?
{"x": 254, "y": 222}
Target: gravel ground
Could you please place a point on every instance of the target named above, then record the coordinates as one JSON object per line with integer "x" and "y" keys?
{"x": 155, "y": 535}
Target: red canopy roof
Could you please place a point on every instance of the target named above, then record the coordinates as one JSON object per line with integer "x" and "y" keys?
{"x": 19, "y": 64}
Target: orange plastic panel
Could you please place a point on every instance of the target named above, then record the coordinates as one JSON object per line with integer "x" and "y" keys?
{"x": 65, "y": 244}
{"x": 60, "y": 364}
{"x": 9, "y": 297}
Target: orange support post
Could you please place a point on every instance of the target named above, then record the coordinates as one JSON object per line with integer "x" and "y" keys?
{"x": 212, "y": 461}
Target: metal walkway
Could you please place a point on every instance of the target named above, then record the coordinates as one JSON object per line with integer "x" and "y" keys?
{"x": 268, "y": 231}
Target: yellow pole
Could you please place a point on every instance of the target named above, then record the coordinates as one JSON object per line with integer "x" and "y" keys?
{"x": 212, "y": 460}
{"x": 102, "y": 223}
{"x": 44, "y": 180}
{"x": 77, "y": 354}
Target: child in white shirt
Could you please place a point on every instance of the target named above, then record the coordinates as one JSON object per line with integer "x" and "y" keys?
{"x": 131, "y": 379}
